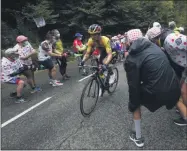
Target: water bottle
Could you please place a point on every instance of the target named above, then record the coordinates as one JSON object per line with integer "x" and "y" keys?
{"x": 102, "y": 76}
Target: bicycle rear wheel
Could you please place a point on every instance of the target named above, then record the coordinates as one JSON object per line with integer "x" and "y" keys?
{"x": 113, "y": 81}
{"x": 87, "y": 105}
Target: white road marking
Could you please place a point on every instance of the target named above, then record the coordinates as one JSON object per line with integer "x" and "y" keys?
{"x": 24, "y": 112}
{"x": 86, "y": 77}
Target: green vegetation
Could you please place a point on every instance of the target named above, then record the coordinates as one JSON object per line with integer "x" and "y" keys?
{"x": 70, "y": 16}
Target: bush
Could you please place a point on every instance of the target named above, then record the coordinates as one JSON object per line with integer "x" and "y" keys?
{"x": 8, "y": 35}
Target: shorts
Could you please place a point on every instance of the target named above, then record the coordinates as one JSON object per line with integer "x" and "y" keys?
{"x": 48, "y": 64}
{"x": 184, "y": 76}
{"x": 14, "y": 80}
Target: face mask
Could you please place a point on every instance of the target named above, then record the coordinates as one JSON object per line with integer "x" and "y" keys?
{"x": 58, "y": 35}
{"x": 25, "y": 43}
{"x": 53, "y": 40}
{"x": 80, "y": 38}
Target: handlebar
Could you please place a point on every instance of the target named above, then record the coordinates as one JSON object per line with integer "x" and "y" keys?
{"x": 92, "y": 67}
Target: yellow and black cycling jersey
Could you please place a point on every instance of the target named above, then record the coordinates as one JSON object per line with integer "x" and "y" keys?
{"x": 103, "y": 44}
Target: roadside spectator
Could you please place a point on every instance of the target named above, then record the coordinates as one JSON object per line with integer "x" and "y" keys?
{"x": 44, "y": 57}
{"x": 26, "y": 51}
{"x": 152, "y": 81}
{"x": 10, "y": 68}
{"x": 157, "y": 24}
{"x": 78, "y": 46}
{"x": 181, "y": 30}
{"x": 172, "y": 26}
{"x": 175, "y": 46}
{"x": 158, "y": 37}
{"x": 58, "y": 49}
{"x": 153, "y": 34}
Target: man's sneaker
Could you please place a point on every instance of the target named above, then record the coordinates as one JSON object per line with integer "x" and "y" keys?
{"x": 13, "y": 94}
{"x": 20, "y": 100}
{"x": 180, "y": 122}
{"x": 55, "y": 83}
{"x": 112, "y": 78}
{"x": 52, "y": 82}
{"x": 139, "y": 142}
{"x": 36, "y": 89}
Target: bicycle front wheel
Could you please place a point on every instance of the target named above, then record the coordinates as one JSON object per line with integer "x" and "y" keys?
{"x": 113, "y": 81}
{"x": 89, "y": 97}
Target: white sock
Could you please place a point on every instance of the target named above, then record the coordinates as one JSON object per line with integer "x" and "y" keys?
{"x": 137, "y": 128}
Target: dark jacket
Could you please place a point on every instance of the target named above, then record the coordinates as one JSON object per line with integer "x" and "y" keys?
{"x": 164, "y": 34}
{"x": 151, "y": 79}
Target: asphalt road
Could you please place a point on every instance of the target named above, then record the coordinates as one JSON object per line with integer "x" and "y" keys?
{"x": 58, "y": 123}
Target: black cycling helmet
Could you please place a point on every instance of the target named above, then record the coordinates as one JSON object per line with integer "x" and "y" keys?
{"x": 94, "y": 29}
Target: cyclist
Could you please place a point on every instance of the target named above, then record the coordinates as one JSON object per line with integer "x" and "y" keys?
{"x": 100, "y": 42}
{"x": 10, "y": 68}
{"x": 26, "y": 51}
{"x": 44, "y": 57}
{"x": 78, "y": 46}
{"x": 103, "y": 44}
{"x": 58, "y": 49}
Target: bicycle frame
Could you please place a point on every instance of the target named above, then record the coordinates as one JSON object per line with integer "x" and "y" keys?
{"x": 96, "y": 75}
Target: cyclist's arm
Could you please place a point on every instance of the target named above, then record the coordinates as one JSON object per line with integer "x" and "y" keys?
{"x": 88, "y": 51}
{"x": 86, "y": 56}
{"x": 109, "y": 52}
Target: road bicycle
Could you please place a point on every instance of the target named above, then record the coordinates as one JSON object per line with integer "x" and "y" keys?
{"x": 98, "y": 83}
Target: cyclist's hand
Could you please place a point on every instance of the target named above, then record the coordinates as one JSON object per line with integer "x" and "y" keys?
{"x": 82, "y": 63}
{"x": 104, "y": 67}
